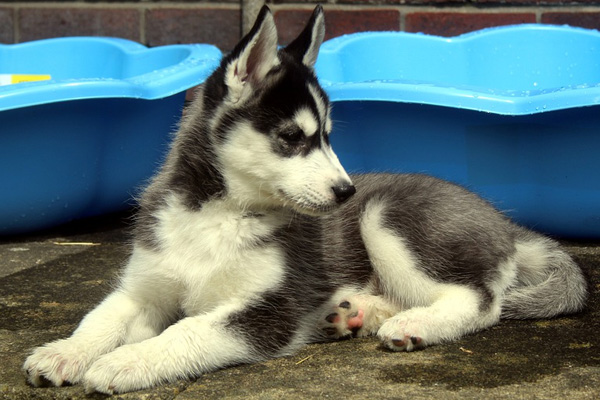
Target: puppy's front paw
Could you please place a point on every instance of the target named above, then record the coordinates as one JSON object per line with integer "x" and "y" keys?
{"x": 57, "y": 363}
{"x": 124, "y": 370}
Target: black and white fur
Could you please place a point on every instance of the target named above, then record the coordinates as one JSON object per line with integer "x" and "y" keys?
{"x": 250, "y": 243}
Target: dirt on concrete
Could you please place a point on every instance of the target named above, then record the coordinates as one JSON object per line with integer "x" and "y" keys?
{"x": 49, "y": 281}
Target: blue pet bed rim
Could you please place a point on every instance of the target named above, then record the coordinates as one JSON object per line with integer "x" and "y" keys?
{"x": 334, "y": 44}
{"x": 501, "y": 102}
{"x": 157, "y": 84}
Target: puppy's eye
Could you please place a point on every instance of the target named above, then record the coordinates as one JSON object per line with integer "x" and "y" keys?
{"x": 292, "y": 136}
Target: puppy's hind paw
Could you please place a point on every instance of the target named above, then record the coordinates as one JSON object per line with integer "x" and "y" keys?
{"x": 346, "y": 320}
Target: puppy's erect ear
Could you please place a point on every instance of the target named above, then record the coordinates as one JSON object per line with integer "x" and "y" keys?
{"x": 253, "y": 57}
{"x": 305, "y": 48}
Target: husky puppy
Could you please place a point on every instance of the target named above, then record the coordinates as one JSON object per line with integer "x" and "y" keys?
{"x": 252, "y": 242}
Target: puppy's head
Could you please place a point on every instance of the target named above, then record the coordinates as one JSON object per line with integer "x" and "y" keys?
{"x": 271, "y": 121}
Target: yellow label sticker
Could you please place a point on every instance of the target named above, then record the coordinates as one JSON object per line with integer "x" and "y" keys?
{"x": 10, "y": 79}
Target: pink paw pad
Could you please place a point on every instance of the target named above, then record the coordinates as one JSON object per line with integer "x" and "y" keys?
{"x": 344, "y": 322}
{"x": 355, "y": 323}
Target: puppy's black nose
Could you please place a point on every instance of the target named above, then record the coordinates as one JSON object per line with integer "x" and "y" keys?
{"x": 343, "y": 192}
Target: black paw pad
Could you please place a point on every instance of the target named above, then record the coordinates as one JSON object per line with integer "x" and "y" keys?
{"x": 344, "y": 304}
{"x": 330, "y": 331}
{"x": 331, "y": 318}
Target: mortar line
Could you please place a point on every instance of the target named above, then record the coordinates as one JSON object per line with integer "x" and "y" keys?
{"x": 142, "y": 21}
{"x": 16, "y": 26}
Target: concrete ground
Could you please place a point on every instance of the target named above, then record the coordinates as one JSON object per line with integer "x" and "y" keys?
{"x": 49, "y": 281}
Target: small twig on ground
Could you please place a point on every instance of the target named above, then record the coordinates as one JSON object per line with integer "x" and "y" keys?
{"x": 76, "y": 244}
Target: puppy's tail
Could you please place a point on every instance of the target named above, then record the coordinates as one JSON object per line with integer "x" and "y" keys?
{"x": 549, "y": 282}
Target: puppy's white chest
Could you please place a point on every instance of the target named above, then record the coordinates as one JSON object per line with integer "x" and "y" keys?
{"x": 219, "y": 254}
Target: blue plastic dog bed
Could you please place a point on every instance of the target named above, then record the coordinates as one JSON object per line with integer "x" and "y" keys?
{"x": 512, "y": 113}
{"x": 82, "y": 143}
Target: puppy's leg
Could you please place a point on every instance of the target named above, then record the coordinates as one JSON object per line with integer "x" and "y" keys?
{"x": 120, "y": 318}
{"x": 435, "y": 312}
{"x": 455, "y": 313}
{"x": 102, "y": 330}
{"x": 185, "y": 349}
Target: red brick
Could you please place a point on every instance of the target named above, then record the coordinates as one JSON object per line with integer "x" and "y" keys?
{"x": 343, "y": 22}
{"x": 290, "y": 23}
{"x": 217, "y": 26}
{"x": 315, "y": 2}
{"x": 405, "y": 2}
{"x": 39, "y": 23}
{"x": 337, "y": 22}
{"x": 181, "y": 1}
{"x": 456, "y": 23}
{"x": 536, "y": 2}
{"x": 439, "y": 3}
{"x": 375, "y": 2}
{"x": 7, "y": 24}
{"x": 590, "y": 20}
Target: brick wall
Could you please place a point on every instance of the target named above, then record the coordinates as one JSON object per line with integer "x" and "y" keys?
{"x": 154, "y": 22}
